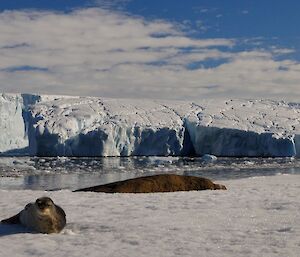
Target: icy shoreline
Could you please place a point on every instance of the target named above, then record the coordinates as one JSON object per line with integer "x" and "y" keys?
{"x": 255, "y": 216}
{"x": 42, "y": 125}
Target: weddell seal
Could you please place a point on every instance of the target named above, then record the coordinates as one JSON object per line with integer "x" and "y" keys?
{"x": 41, "y": 216}
{"x": 156, "y": 183}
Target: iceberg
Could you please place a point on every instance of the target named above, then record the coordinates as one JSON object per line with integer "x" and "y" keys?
{"x": 48, "y": 125}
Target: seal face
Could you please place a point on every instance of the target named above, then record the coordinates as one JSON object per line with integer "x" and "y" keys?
{"x": 41, "y": 216}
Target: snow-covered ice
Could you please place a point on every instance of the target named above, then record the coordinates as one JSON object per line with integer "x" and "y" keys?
{"x": 90, "y": 126}
{"x": 208, "y": 158}
{"x": 257, "y": 216}
{"x": 12, "y": 126}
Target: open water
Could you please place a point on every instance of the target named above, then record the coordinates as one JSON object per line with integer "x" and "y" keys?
{"x": 73, "y": 173}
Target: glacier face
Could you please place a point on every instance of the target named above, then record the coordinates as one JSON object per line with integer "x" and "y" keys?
{"x": 88, "y": 126}
{"x": 12, "y": 127}
{"x": 105, "y": 127}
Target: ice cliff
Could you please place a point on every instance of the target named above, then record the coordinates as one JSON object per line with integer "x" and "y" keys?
{"x": 88, "y": 126}
{"x": 12, "y": 127}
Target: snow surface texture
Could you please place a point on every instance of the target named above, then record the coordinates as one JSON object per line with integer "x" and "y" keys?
{"x": 257, "y": 216}
{"x": 89, "y": 126}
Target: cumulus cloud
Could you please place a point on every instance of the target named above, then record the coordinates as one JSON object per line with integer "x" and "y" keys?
{"x": 103, "y": 53}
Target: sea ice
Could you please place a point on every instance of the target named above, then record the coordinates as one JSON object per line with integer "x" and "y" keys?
{"x": 257, "y": 216}
{"x": 208, "y": 158}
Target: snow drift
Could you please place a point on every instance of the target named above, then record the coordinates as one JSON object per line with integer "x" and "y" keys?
{"x": 88, "y": 126}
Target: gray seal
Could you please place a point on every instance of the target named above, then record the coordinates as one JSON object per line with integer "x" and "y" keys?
{"x": 42, "y": 216}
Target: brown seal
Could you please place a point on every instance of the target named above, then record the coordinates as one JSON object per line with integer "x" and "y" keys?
{"x": 41, "y": 216}
{"x": 156, "y": 183}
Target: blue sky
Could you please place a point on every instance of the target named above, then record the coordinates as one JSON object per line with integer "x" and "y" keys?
{"x": 152, "y": 49}
{"x": 233, "y": 18}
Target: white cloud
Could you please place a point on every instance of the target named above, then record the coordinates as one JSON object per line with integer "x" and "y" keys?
{"x": 282, "y": 51}
{"x": 109, "y": 4}
{"x": 100, "y": 52}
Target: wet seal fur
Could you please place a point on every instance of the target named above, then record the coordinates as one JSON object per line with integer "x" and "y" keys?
{"x": 156, "y": 183}
{"x": 42, "y": 216}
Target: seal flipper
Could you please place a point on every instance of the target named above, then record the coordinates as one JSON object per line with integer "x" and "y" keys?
{"x": 12, "y": 220}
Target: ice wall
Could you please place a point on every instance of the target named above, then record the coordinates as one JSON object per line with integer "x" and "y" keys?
{"x": 297, "y": 144}
{"x": 101, "y": 127}
{"x": 12, "y": 128}
{"x": 88, "y": 126}
{"x": 246, "y": 128}
{"x": 239, "y": 143}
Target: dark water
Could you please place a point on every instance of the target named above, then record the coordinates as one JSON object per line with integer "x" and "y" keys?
{"x": 73, "y": 173}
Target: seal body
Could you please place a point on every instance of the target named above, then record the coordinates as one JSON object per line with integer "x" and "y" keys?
{"x": 156, "y": 183}
{"x": 41, "y": 216}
